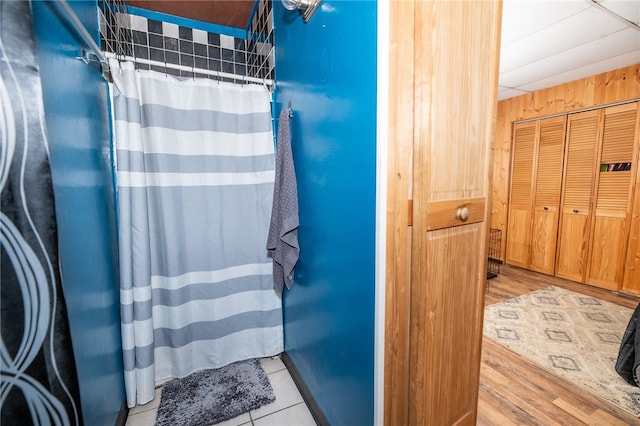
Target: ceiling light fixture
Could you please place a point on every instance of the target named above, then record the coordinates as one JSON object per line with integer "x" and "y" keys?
{"x": 305, "y": 7}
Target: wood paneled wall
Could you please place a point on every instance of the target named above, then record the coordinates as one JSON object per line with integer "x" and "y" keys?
{"x": 602, "y": 89}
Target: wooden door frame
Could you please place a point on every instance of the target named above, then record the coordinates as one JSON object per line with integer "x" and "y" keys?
{"x": 397, "y": 210}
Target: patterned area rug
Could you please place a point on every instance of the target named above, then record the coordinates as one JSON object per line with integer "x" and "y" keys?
{"x": 575, "y": 336}
{"x": 212, "y": 396}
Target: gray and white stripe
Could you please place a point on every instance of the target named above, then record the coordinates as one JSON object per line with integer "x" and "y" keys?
{"x": 195, "y": 182}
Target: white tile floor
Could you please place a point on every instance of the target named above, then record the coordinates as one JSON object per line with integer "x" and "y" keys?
{"x": 288, "y": 409}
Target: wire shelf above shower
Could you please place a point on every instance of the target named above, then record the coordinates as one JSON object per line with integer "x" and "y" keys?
{"x": 190, "y": 52}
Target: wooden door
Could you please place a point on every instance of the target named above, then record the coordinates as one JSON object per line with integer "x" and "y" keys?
{"x": 547, "y": 184}
{"x": 614, "y": 183}
{"x": 581, "y": 156}
{"x": 456, "y": 62}
{"x": 521, "y": 199}
{"x": 631, "y": 282}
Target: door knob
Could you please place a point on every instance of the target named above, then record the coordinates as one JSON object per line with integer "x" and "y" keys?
{"x": 545, "y": 208}
{"x": 576, "y": 210}
{"x": 462, "y": 213}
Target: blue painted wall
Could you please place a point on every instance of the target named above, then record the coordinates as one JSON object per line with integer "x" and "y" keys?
{"x": 76, "y": 114}
{"x": 327, "y": 69}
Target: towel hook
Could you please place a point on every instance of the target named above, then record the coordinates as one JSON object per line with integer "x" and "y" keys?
{"x": 290, "y": 110}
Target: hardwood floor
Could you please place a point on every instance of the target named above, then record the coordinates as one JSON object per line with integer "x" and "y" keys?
{"x": 515, "y": 391}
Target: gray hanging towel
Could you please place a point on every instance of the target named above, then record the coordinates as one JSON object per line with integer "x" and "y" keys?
{"x": 282, "y": 242}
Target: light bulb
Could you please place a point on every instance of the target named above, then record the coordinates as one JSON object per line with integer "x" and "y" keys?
{"x": 290, "y": 4}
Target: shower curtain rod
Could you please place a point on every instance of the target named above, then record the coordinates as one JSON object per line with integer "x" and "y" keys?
{"x": 63, "y": 10}
{"x": 195, "y": 70}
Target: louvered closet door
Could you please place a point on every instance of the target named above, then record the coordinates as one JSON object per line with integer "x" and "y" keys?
{"x": 580, "y": 170}
{"x": 631, "y": 280}
{"x": 519, "y": 225}
{"x": 547, "y": 186}
{"x": 613, "y": 198}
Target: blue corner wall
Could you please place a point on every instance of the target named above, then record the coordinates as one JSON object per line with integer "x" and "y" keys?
{"x": 76, "y": 113}
{"x": 327, "y": 70}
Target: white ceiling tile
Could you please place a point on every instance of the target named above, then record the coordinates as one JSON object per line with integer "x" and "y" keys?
{"x": 549, "y": 42}
{"x": 585, "y": 71}
{"x": 628, "y": 9}
{"x": 619, "y": 43}
{"x": 570, "y": 32}
{"x": 521, "y": 18}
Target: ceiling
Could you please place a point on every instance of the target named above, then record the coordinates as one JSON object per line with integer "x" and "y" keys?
{"x": 230, "y": 13}
{"x": 549, "y": 42}
{"x": 544, "y": 42}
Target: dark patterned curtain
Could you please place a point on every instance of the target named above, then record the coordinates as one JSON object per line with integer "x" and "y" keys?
{"x": 39, "y": 383}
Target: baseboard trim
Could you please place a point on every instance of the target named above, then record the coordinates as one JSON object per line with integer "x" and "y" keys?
{"x": 315, "y": 410}
{"x": 627, "y": 294}
{"x": 123, "y": 415}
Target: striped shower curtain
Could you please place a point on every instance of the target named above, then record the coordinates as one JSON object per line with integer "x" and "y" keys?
{"x": 195, "y": 173}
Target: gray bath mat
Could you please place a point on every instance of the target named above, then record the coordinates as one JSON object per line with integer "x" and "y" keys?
{"x": 212, "y": 396}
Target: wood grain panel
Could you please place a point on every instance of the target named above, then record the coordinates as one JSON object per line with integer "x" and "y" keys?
{"x": 398, "y": 244}
{"x": 614, "y": 86}
{"x": 520, "y": 238}
{"x": 524, "y": 137}
{"x": 519, "y": 229}
{"x": 613, "y": 191}
{"x": 610, "y": 233}
{"x": 548, "y": 181}
{"x": 549, "y": 162}
{"x": 443, "y": 317}
{"x": 453, "y": 121}
{"x": 580, "y": 168}
{"x": 443, "y": 214}
{"x": 544, "y": 234}
{"x": 444, "y": 97}
{"x": 631, "y": 282}
{"x": 608, "y": 252}
{"x": 573, "y": 241}
{"x": 583, "y": 132}
{"x": 619, "y": 134}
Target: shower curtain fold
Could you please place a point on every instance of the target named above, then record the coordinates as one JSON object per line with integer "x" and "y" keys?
{"x": 38, "y": 376}
{"x": 195, "y": 175}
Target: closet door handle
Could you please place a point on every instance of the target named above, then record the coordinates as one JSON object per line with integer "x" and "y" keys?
{"x": 545, "y": 208}
{"x": 576, "y": 210}
{"x": 462, "y": 213}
